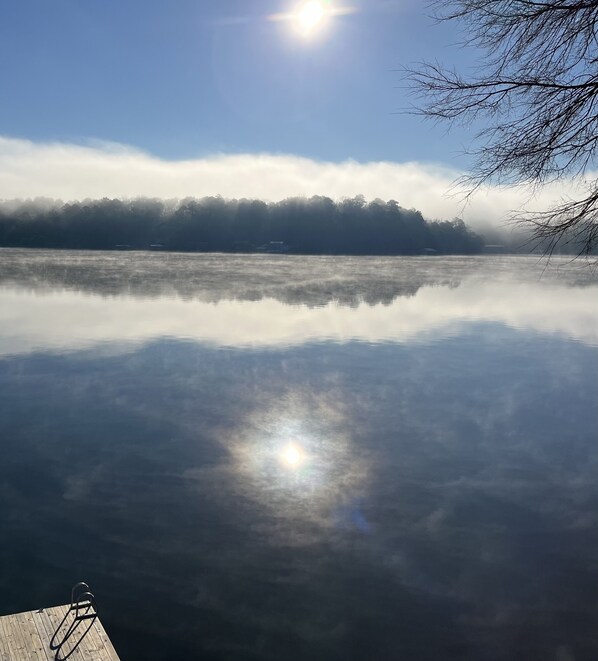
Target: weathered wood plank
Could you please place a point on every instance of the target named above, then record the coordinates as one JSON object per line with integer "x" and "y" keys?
{"x": 15, "y": 642}
{"x": 41, "y": 631}
{"x": 33, "y": 643}
{"x": 44, "y": 628}
{"x": 26, "y": 641}
{"x": 3, "y": 648}
{"x": 8, "y": 648}
{"x": 26, "y": 636}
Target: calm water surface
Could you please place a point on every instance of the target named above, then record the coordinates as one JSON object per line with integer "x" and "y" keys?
{"x": 301, "y": 458}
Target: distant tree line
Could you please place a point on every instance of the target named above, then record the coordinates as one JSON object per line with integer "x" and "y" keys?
{"x": 317, "y": 225}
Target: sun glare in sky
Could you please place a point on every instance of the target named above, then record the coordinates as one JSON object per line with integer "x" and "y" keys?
{"x": 310, "y": 16}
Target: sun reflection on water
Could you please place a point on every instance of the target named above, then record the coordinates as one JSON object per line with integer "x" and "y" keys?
{"x": 298, "y": 460}
{"x": 292, "y": 455}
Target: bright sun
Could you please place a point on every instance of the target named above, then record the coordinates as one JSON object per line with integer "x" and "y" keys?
{"x": 310, "y": 16}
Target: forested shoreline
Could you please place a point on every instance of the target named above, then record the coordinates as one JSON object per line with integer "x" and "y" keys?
{"x": 316, "y": 225}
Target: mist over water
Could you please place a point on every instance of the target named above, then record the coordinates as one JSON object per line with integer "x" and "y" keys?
{"x": 260, "y": 457}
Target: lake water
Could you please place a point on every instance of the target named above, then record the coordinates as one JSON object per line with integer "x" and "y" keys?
{"x": 302, "y": 458}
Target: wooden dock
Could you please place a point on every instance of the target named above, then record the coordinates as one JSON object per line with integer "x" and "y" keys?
{"x": 27, "y": 636}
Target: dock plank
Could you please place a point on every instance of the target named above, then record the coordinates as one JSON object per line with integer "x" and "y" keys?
{"x": 3, "y": 649}
{"x": 33, "y": 643}
{"x": 26, "y": 637}
{"x": 15, "y": 643}
{"x": 41, "y": 632}
{"x": 7, "y": 649}
{"x": 44, "y": 628}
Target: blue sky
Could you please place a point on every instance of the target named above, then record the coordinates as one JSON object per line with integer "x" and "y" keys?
{"x": 187, "y": 98}
{"x": 189, "y": 78}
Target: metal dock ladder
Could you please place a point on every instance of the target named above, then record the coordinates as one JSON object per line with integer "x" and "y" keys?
{"x": 82, "y": 609}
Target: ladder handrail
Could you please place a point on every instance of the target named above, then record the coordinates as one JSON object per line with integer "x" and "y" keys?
{"x": 83, "y": 604}
{"x": 76, "y": 587}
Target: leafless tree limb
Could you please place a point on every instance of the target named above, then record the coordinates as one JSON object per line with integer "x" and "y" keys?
{"x": 537, "y": 92}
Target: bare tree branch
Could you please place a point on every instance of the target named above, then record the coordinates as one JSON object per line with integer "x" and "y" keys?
{"x": 537, "y": 92}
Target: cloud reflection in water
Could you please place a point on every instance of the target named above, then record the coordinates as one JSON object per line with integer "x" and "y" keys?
{"x": 445, "y": 507}
{"x": 66, "y": 301}
{"x": 66, "y": 321}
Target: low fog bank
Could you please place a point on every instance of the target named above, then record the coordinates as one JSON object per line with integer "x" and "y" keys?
{"x": 98, "y": 170}
{"x": 316, "y": 225}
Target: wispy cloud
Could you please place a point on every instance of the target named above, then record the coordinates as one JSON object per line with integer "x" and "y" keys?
{"x": 97, "y": 169}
